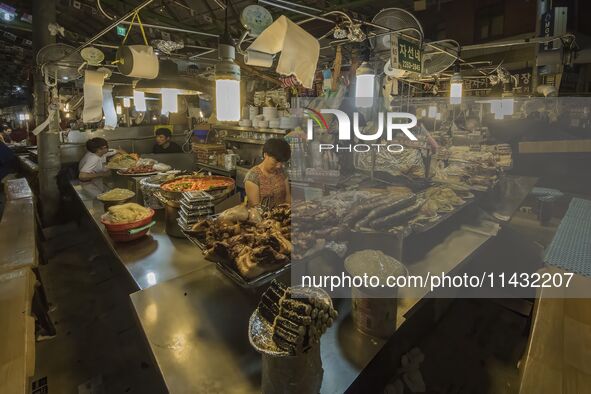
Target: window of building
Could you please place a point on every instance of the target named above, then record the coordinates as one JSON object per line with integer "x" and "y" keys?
{"x": 490, "y": 22}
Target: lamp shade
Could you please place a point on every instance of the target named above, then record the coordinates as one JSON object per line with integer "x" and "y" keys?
{"x": 169, "y": 78}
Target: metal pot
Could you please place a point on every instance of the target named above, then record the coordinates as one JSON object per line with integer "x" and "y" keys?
{"x": 218, "y": 194}
{"x": 171, "y": 214}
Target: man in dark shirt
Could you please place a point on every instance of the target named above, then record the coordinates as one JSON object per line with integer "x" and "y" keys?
{"x": 164, "y": 144}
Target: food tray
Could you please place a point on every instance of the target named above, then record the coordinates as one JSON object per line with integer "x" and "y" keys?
{"x": 419, "y": 228}
{"x": 196, "y": 196}
{"x": 191, "y": 219}
{"x": 228, "y": 268}
{"x": 196, "y": 206}
{"x": 191, "y": 213}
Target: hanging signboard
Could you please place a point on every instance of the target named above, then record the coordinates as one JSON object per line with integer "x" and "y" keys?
{"x": 405, "y": 55}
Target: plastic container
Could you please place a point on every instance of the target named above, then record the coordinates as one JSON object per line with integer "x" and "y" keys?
{"x": 200, "y": 135}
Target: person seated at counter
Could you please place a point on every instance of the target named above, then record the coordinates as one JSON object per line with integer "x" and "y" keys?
{"x": 164, "y": 144}
{"x": 93, "y": 163}
{"x": 266, "y": 184}
{"x": 5, "y": 135}
{"x": 8, "y": 160}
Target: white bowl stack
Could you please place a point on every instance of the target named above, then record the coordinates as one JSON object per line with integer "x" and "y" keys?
{"x": 270, "y": 113}
{"x": 288, "y": 122}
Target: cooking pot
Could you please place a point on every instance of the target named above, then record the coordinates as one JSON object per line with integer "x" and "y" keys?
{"x": 171, "y": 213}
{"x": 217, "y": 193}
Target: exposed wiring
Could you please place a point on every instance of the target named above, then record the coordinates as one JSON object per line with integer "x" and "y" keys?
{"x": 100, "y": 7}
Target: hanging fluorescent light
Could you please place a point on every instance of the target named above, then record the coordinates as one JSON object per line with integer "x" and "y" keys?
{"x": 364, "y": 86}
{"x": 139, "y": 100}
{"x": 455, "y": 87}
{"x": 227, "y": 79}
{"x": 126, "y": 102}
{"x": 432, "y": 113}
{"x": 170, "y": 101}
{"x": 508, "y": 106}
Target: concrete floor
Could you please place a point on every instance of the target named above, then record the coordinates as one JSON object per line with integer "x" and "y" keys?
{"x": 98, "y": 348}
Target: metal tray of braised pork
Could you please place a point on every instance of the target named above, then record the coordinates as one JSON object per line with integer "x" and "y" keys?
{"x": 228, "y": 267}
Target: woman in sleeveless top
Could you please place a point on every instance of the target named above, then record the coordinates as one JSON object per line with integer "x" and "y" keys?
{"x": 266, "y": 184}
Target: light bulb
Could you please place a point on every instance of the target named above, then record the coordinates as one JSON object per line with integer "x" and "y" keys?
{"x": 432, "y": 111}
{"x": 169, "y": 100}
{"x": 497, "y": 109}
{"x": 455, "y": 89}
{"x": 227, "y": 99}
{"x": 364, "y": 86}
{"x": 67, "y": 115}
{"x": 139, "y": 100}
{"x": 118, "y": 109}
{"x": 126, "y": 102}
{"x": 507, "y": 106}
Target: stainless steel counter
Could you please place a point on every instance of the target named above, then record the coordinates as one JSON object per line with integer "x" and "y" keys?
{"x": 195, "y": 319}
{"x": 197, "y": 329}
{"x": 149, "y": 260}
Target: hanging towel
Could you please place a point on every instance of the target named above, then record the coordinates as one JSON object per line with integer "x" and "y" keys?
{"x": 299, "y": 49}
{"x": 93, "y": 96}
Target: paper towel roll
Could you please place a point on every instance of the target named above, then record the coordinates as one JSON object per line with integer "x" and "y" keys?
{"x": 138, "y": 61}
{"x": 109, "y": 108}
{"x": 259, "y": 59}
{"x": 93, "y": 96}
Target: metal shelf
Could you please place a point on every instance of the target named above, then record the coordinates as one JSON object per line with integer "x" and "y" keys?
{"x": 250, "y": 129}
{"x": 245, "y": 141}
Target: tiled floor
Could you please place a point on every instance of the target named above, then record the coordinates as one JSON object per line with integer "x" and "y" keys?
{"x": 99, "y": 348}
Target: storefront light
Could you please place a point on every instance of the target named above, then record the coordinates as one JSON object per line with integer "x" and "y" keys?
{"x": 432, "y": 113}
{"x": 139, "y": 100}
{"x": 118, "y": 109}
{"x": 21, "y": 117}
{"x": 364, "y": 86}
{"x": 227, "y": 83}
{"x": 126, "y": 102}
{"x": 508, "y": 106}
{"x": 455, "y": 88}
{"x": 170, "y": 101}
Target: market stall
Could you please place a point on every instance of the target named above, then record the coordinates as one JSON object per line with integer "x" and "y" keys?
{"x": 317, "y": 145}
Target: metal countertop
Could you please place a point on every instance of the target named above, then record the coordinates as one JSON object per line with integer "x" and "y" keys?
{"x": 197, "y": 329}
{"x": 196, "y": 323}
{"x": 149, "y": 260}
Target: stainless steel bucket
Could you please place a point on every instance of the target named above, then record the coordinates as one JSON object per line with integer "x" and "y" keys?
{"x": 301, "y": 374}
